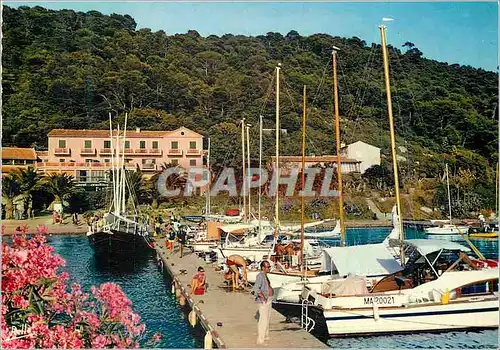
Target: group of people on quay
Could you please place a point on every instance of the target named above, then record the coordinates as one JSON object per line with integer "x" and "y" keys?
{"x": 262, "y": 290}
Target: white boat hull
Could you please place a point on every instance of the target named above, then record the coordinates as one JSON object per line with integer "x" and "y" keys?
{"x": 253, "y": 254}
{"x": 447, "y": 230}
{"x": 460, "y": 314}
{"x": 204, "y": 247}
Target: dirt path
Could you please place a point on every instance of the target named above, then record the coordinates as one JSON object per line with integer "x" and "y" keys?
{"x": 66, "y": 228}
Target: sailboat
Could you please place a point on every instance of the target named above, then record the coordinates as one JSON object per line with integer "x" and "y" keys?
{"x": 440, "y": 287}
{"x": 447, "y": 228}
{"x": 120, "y": 233}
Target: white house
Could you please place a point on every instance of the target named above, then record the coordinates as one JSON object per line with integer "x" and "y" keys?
{"x": 368, "y": 155}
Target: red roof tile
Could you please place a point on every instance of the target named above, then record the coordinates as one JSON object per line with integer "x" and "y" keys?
{"x": 104, "y": 133}
{"x": 316, "y": 159}
{"x": 18, "y": 153}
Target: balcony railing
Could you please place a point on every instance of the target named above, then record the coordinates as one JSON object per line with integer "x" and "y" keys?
{"x": 127, "y": 151}
{"x": 88, "y": 151}
{"x": 148, "y": 166}
{"x": 141, "y": 150}
{"x": 82, "y": 165}
{"x": 155, "y": 151}
{"x": 106, "y": 151}
{"x": 174, "y": 152}
{"x": 62, "y": 151}
{"x": 193, "y": 152}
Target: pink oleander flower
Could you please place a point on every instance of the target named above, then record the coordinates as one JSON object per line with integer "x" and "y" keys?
{"x": 30, "y": 274}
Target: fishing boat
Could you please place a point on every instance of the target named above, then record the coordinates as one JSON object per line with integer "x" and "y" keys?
{"x": 120, "y": 233}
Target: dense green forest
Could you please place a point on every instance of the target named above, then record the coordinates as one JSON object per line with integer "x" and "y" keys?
{"x": 69, "y": 69}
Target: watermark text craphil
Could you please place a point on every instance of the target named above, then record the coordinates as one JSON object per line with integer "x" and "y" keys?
{"x": 318, "y": 182}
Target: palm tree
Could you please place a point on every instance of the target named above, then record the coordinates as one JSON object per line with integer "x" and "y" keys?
{"x": 10, "y": 190}
{"x": 61, "y": 186}
{"x": 29, "y": 181}
{"x": 174, "y": 181}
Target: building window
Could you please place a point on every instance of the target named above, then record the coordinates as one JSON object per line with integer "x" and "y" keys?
{"x": 106, "y": 160}
{"x": 89, "y": 160}
{"x": 88, "y": 144}
{"x": 155, "y": 144}
{"x": 62, "y": 143}
{"x": 192, "y": 144}
{"x": 107, "y": 144}
{"x": 174, "y": 162}
{"x": 174, "y": 145}
{"x": 142, "y": 144}
{"x": 61, "y": 160}
{"x": 127, "y": 144}
{"x": 192, "y": 162}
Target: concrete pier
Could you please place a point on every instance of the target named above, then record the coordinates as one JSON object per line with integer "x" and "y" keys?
{"x": 229, "y": 316}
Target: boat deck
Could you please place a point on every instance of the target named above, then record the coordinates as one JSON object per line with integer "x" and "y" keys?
{"x": 229, "y": 316}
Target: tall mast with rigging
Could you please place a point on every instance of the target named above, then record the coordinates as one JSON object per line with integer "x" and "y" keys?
{"x": 260, "y": 174}
{"x": 247, "y": 181}
{"x": 243, "y": 167}
{"x": 276, "y": 204}
{"x": 302, "y": 199}
{"x": 449, "y": 195}
{"x": 207, "y": 209}
{"x": 385, "y": 57}
{"x": 337, "y": 138}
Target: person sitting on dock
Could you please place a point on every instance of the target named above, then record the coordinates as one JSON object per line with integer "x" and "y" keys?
{"x": 234, "y": 262}
{"x": 198, "y": 282}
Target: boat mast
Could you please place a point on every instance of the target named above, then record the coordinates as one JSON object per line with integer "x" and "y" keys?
{"x": 244, "y": 172}
{"x": 112, "y": 170}
{"x": 449, "y": 195}
{"x": 393, "y": 141}
{"x": 248, "y": 167}
{"x": 337, "y": 137}
{"x": 260, "y": 173}
{"x": 207, "y": 209}
{"x": 276, "y": 204}
{"x": 122, "y": 167}
{"x": 496, "y": 196}
{"x": 117, "y": 171}
{"x": 302, "y": 199}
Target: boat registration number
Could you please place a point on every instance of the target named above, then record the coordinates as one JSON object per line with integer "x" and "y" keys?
{"x": 379, "y": 300}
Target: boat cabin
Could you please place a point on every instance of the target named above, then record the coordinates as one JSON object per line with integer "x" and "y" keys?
{"x": 426, "y": 260}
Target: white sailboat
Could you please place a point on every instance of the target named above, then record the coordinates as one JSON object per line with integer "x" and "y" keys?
{"x": 120, "y": 234}
{"x": 447, "y": 227}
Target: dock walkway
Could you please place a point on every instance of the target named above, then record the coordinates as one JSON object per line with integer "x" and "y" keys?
{"x": 230, "y": 316}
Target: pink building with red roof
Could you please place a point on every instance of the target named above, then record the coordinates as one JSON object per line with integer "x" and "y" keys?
{"x": 87, "y": 154}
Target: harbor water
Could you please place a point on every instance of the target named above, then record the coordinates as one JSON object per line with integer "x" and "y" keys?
{"x": 149, "y": 291}
{"x": 142, "y": 281}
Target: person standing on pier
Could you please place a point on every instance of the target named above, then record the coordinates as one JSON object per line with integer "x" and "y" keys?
{"x": 181, "y": 238}
{"x": 264, "y": 295}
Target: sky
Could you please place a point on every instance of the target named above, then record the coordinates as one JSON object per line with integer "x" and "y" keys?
{"x": 454, "y": 32}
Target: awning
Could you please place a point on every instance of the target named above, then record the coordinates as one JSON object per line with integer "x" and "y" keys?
{"x": 236, "y": 228}
{"x": 428, "y": 246}
{"x": 361, "y": 260}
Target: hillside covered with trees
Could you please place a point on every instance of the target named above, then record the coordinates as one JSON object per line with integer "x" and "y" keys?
{"x": 69, "y": 69}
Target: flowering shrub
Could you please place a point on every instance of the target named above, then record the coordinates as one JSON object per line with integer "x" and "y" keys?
{"x": 38, "y": 310}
